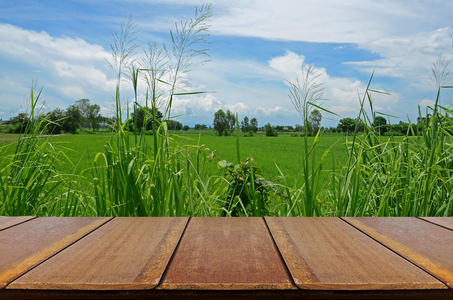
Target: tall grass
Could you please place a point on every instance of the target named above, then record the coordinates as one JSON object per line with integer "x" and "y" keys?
{"x": 28, "y": 176}
{"x": 383, "y": 176}
{"x": 161, "y": 179}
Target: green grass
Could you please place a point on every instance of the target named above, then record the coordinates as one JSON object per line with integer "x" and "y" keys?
{"x": 282, "y": 151}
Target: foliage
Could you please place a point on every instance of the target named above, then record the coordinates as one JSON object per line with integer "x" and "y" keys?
{"x": 248, "y": 192}
{"x": 221, "y": 123}
{"x": 347, "y": 125}
{"x": 72, "y": 121}
{"x": 19, "y": 123}
{"x": 90, "y": 114}
{"x": 143, "y": 118}
{"x": 270, "y": 130}
{"x": 254, "y": 125}
{"x": 200, "y": 127}
{"x": 380, "y": 124}
{"x": 245, "y": 126}
{"x": 315, "y": 119}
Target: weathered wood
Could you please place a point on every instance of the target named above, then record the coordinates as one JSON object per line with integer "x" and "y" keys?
{"x": 427, "y": 245}
{"x": 125, "y": 254}
{"x": 26, "y": 245}
{"x": 6, "y": 222}
{"x": 226, "y": 253}
{"x": 446, "y": 222}
{"x": 329, "y": 254}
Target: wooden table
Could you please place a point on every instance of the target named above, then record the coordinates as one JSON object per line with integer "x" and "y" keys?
{"x": 316, "y": 258}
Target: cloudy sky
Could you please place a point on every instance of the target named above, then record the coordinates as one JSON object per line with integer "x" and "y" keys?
{"x": 255, "y": 47}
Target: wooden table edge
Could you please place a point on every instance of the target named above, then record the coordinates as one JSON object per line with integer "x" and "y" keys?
{"x": 226, "y": 286}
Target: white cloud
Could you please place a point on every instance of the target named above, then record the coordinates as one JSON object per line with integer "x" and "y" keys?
{"x": 68, "y": 68}
{"x": 289, "y": 65}
{"x": 408, "y": 57}
{"x": 353, "y": 21}
{"x": 427, "y": 102}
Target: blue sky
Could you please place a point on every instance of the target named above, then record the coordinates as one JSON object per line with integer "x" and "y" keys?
{"x": 256, "y": 46}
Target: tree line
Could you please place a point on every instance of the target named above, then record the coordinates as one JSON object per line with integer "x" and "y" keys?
{"x": 79, "y": 116}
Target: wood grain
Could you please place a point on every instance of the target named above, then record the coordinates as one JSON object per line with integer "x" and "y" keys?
{"x": 329, "y": 254}
{"x": 6, "y": 222}
{"x": 446, "y": 222}
{"x": 124, "y": 254}
{"x": 427, "y": 245}
{"x": 26, "y": 245}
{"x": 226, "y": 254}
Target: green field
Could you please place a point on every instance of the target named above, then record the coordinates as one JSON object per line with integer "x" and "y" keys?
{"x": 285, "y": 151}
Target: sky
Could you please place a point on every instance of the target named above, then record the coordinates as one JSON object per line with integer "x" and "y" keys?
{"x": 255, "y": 49}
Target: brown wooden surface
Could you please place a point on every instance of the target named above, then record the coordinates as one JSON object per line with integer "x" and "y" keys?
{"x": 425, "y": 244}
{"x": 124, "y": 254}
{"x": 446, "y": 222}
{"x": 327, "y": 253}
{"x": 226, "y": 253}
{"x": 28, "y": 244}
{"x": 6, "y": 222}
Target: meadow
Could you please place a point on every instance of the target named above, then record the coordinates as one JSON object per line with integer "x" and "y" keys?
{"x": 270, "y": 153}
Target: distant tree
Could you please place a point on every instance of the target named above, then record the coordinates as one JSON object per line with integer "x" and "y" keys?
{"x": 90, "y": 114}
{"x": 347, "y": 125}
{"x": 315, "y": 119}
{"x": 94, "y": 117}
{"x": 270, "y": 131}
{"x": 298, "y": 128}
{"x": 254, "y": 125}
{"x": 245, "y": 126}
{"x": 360, "y": 126}
{"x": 174, "y": 125}
{"x": 221, "y": 123}
{"x": 55, "y": 119}
{"x": 145, "y": 119}
{"x": 380, "y": 124}
{"x": 72, "y": 121}
{"x": 200, "y": 126}
{"x": 231, "y": 120}
{"x": 186, "y": 127}
{"x": 19, "y": 122}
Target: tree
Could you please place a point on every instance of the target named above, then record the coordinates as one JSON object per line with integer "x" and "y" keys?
{"x": 245, "y": 126}
{"x": 19, "y": 122}
{"x": 231, "y": 120}
{"x": 174, "y": 125}
{"x": 347, "y": 125}
{"x": 72, "y": 121}
{"x": 90, "y": 114}
{"x": 315, "y": 119}
{"x": 254, "y": 125}
{"x": 270, "y": 131}
{"x": 145, "y": 119}
{"x": 200, "y": 127}
{"x": 221, "y": 123}
{"x": 94, "y": 116}
{"x": 55, "y": 119}
{"x": 380, "y": 124}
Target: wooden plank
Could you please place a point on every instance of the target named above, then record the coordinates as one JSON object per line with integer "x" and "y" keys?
{"x": 329, "y": 254}
{"x": 26, "y": 245}
{"x": 427, "y": 245}
{"x": 125, "y": 254}
{"x": 226, "y": 254}
{"x": 6, "y": 222}
{"x": 446, "y": 222}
